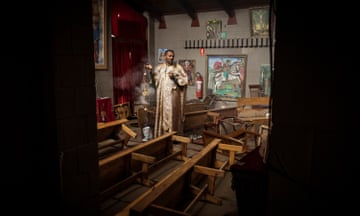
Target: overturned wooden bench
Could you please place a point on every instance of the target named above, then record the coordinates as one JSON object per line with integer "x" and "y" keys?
{"x": 253, "y": 103}
{"x": 253, "y": 111}
{"x": 133, "y": 165}
{"x": 113, "y": 136}
{"x": 231, "y": 144}
{"x": 181, "y": 189}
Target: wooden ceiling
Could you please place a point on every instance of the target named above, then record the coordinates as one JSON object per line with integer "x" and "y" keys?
{"x": 160, "y": 8}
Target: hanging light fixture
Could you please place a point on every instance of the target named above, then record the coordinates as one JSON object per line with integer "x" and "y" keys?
{"x": 202, "y": 51}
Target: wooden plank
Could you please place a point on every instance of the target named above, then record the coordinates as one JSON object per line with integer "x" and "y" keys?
{"x": 128, "y": 131}
{"x": 143, "y": 158}
{"x": 185, "y": 141}
{"x": 190, "y": 107}
{"x": 209, "y": 171}
{"x": 240, "y": 133}
{"x": 109, "y": 142}
{"x": 208, "y": 136}
{"x": 196, "y": 119}
{"x": 206, "y": 196}
{"x": 198, "y": 196}
{"x": 109, "y": 130}
{"x": 101, "y": 125}
{"x": 161, "y": 210}
{"x": 253, "y": 101}
{"x": 226, "y": 109}
{"x": 181, "y": 139}
{"x": 135, "y": 148}
{"x": 231, "y": 147}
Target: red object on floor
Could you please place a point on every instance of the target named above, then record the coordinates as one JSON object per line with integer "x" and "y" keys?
{"x": 104, "y": 109}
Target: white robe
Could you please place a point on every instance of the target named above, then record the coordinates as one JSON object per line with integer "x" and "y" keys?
{"x": 170, "y": 97}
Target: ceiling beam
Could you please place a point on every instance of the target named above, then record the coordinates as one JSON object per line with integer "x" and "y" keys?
{"x": 229, "y": 9}
{"x": 162, "y": 23}
{"x": 188, "y": 8}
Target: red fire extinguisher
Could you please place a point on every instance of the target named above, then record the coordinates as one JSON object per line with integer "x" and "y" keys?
{"x": 199, "y": 85}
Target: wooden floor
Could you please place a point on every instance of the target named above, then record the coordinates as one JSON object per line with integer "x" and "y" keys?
{"x": 223, "y": 187}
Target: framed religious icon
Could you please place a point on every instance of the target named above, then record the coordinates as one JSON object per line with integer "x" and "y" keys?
{"x": 161, "y": 55}
{"x": 99, "y": 34}
{"x": 122, "y": 111}
{"x": 265, "y": 79}
{"x": 226, "y": 75}
{"x": 213, "y": 29}
{"x": 189, "y": 67}
{"x": 259, "y": 21}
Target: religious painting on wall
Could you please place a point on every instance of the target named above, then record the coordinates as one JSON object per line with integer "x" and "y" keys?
{"x": 189, "y": 68}
{"x": 99, "y": 36}
{"x": 259, "y": 21}
{"x": 265, "y": 79}
{"x": 213, "y": 29}
{"x": 226, "y": 76}
{"x": 161, "y": 55}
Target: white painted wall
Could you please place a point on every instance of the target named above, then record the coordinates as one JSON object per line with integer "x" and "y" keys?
{"x": 179, "y": 29}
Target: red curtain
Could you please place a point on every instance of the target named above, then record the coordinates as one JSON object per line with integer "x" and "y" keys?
{"x": 129, "y": 47}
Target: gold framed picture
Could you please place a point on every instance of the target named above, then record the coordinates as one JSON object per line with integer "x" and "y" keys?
{"x": 226, "y": 76}
{"x": 259, "y": 21}
{"x": 189, "y": 67}
{"x": 99, "y": 34}
{"x": 213, "y": 29}
{"x": 122, "y": 111}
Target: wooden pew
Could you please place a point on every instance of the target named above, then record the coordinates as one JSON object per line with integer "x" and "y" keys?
{"x": 232, "y": 144}
{"x": 253, "y": 103}
{"x": 195, "y": 115}
{"x": 130, "y": 165}
{"x": 252, "y": 112}
{"x": 178, "y": 192}
{"x": 195, "y": 119}
{"x": 108, "y": 133}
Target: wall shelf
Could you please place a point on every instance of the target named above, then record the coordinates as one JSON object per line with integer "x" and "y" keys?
{"x": 228, "y": 43}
